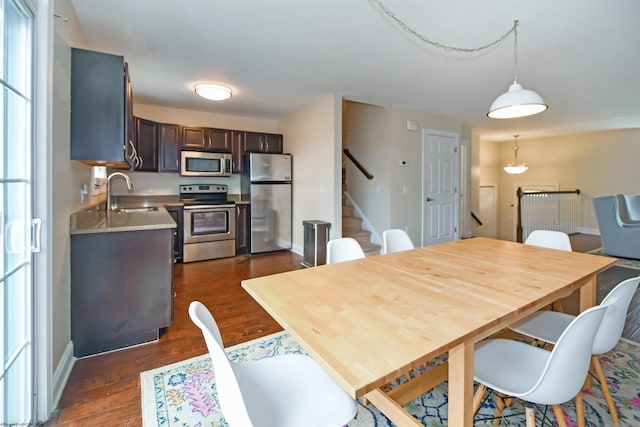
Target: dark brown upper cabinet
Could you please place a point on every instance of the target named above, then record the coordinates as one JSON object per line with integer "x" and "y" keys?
{"x": 206, "y": 139}
{"x": 255, "y": 142}
{"x": 147, "y": 144}
{"x": 158, "y": 146}
{"x": 102, "y": 122}
{"x": 169, "y": 148}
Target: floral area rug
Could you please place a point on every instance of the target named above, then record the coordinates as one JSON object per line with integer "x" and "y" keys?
{"x": 184, "y": 393}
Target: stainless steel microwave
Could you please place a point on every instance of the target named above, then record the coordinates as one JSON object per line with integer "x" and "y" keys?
{"x": 201, "y": 163}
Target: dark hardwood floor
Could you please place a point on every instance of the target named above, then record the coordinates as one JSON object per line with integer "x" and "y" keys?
{"x": 105, "y": 389}
{"x": 585, "y": 242}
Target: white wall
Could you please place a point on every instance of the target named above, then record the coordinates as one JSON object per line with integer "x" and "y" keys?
{"x": 597, "y": 163}
{"x": 379, "y": 139}
{"x": 367, "y": 137}
{"x": 313, "y": 137}
{"x": 66, "y": 180}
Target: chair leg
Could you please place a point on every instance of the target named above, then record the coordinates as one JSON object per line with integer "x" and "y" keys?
{"x": 499, "y": 408}
{"x": 530, "y": 414}
{"x": 580, "y": 410}
{"x": 595, "y": 361}
{"x": 557, "y": 411}
{"x": 477, "y": 398}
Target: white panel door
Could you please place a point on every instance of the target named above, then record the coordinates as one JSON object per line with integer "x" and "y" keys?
{"x": 16, "y": 280}
{"x": 440, "y": 184}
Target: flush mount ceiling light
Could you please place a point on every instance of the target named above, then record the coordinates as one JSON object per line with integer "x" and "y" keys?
{"x": 515, "y": 168}
{"x": 517, "y": 101}
{"x": 213, "y": 91}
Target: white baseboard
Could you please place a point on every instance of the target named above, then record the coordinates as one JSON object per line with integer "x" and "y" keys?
{"x": 61, "y": 374}
{"x": 297, "y": 249}
{"x": 588, "y": 230}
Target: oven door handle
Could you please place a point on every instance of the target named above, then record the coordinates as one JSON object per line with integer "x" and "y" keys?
{"x": 209, "y": 207}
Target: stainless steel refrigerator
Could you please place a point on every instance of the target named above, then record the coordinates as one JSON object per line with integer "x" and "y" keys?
{"x": 267, "y": 180}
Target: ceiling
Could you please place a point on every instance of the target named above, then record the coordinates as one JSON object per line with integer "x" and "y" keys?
{"x": 278, "y": 56}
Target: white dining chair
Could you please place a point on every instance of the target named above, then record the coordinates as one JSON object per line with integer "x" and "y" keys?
{"x": 291, "y": 390}
{"x": 395, "y": 240}
{"x": 536, "y": 375}
{"x": 343, "y": 249}
{"x": 548, "y": 326}
{"x": 552, "y": 240}
{"x": 549, "y": 239}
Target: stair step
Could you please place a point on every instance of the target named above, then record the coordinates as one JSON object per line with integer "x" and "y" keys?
{"x": 372, "y": 252}
{"x": 352, "y": 227}
{"x": 351, "y": 222}
{"x": 358, "y": 234}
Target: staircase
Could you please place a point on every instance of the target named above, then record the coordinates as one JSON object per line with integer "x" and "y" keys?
{"x": 352, "y": 227}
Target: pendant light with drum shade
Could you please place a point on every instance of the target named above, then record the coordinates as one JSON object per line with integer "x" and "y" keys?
{"x": 517, "y": 101}
{"x": 515, "y": 168}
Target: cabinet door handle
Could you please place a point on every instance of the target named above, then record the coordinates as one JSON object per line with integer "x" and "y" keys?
{"x": 267, "y": 143}
{"x": 131, "y": 155}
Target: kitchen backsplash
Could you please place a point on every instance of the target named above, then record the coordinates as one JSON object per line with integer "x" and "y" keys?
{"x": 146, "y": 184}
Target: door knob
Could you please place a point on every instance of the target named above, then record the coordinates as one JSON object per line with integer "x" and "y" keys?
{"x": 429, "y": 199}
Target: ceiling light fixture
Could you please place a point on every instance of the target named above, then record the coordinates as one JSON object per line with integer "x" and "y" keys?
{"x": 515, "y": 168}
{"x": 213, "y": 91}
{"x": 516, "y": 101}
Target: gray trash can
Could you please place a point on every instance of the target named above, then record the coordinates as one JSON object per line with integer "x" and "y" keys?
{"x": 316, "y": 236}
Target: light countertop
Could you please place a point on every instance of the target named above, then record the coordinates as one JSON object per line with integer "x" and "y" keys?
{"x": 99, "y": 221}
{"x": 96, "y": 220}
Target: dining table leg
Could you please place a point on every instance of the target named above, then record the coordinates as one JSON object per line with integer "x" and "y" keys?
{"x": 461, "y": 385}
{"x": 588, "y": 300}
{"x": 588, "y": 293}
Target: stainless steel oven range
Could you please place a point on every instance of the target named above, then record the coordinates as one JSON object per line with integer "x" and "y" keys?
{"x": 209, "y": 222}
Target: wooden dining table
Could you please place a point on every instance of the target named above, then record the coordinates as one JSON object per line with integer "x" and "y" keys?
{"x": 369, "y": 321}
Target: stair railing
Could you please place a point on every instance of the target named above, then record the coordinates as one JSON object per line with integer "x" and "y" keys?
{"x": 476, "y": 219}
{"x": 547, "y": 210}
{"x": 357, "y": 164}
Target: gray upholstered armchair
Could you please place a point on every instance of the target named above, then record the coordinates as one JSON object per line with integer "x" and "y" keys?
{"x": 619, "y": 222}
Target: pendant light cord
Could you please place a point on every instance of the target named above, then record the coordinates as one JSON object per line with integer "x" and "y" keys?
{"x": 515, "y": 51}
{"x": 438, "y": 45}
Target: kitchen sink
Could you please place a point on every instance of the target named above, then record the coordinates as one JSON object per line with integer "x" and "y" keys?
{"x": 136, "y": 209}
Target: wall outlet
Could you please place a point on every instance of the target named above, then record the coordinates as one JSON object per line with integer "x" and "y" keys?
{"x": 84, "y": 190}
{"x": 412, "y": 125}
{"x": 98, "y": 180}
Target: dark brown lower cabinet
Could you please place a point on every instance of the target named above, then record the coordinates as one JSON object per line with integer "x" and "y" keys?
{"x": 121, "y": 288}
{"x": 177, "y": 213}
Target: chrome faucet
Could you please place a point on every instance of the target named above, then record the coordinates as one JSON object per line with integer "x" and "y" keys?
{"x": 114, "y": 174}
